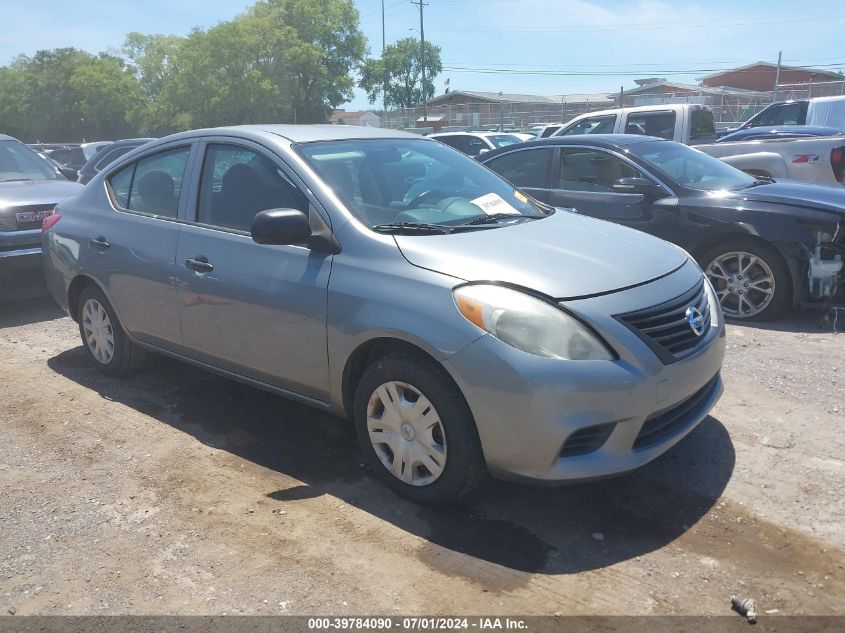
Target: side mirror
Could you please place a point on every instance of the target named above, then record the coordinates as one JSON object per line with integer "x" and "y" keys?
{"x": 69, "y": 173}
{"x": 295, "y": 228}
{"x": 281, "y": 226}
{"x": 483, "y": 150}
{"x": 642, "y": 186}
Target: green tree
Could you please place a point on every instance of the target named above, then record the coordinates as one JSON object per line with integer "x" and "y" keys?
{"x": 68, "y": 95}
{"x": 280, "y": 61}
{"x": 398, "y": 74}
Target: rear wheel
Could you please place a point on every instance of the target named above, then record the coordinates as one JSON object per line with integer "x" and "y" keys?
{"x": 103, "y": 337}
{"x": 416, "y": 430}
{"x": 751, "y": 280}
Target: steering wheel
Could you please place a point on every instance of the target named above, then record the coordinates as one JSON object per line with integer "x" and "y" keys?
{"x": 424, "y": 196}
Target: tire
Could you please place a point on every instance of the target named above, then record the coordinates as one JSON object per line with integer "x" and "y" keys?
{"x": 721, "y": 265}
{"x": 119, "y": 358}
{"x": 461, "y": 459}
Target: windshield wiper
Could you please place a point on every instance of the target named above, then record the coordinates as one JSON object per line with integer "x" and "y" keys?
{"x": 411, "y": 227}
{"x": 495, "y": 217}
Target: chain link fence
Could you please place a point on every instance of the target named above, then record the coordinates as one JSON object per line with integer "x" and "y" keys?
{"x": 728, "y": 106}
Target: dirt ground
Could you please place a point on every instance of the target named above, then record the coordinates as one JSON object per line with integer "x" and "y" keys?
{"x": 178, "y": 492}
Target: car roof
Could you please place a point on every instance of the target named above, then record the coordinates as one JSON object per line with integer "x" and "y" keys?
{"x": 471, "y": 133}
{"x": 298, "y": 133}
{"x": 6, "y": 137}
{"x": 605, "y": 141}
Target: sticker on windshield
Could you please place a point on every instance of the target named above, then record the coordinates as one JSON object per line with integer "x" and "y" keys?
{"x": 493, "y": 203}
{"x": 521, "y": 197}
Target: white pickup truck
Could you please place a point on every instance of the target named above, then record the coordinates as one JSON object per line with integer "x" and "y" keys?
{"x": 819, "y": 160}
{"x": 686, "y": 123}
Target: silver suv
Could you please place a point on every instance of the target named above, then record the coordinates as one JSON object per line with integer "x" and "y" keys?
{"x": 387, "y": 278}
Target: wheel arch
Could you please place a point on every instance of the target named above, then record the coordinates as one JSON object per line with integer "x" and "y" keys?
{"x": 787, "y": 259}
{"x": 366, "y": 353}
{"x": 77, "y": 285}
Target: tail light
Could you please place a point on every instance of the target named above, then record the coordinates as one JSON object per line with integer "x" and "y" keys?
{"x": 50, "y": 220}
{"x": 837, "y": 162}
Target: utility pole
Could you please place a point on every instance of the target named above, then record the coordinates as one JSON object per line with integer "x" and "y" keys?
{"x": 384, "y": 85}
{"x": 777, "y": 78}
{"x": 422, "y": 4}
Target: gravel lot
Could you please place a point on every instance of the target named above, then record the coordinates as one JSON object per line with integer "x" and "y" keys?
{"x": 178, "y": 492}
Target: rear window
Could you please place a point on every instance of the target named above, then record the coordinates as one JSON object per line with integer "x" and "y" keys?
{"x": 592, "y": 125}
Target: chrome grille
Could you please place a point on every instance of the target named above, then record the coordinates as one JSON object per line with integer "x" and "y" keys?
{"x": 665, "y": 327}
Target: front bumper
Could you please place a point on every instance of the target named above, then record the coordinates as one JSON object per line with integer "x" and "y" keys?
{"x": 528, "y": 409}
{"x": 20, "y": 267}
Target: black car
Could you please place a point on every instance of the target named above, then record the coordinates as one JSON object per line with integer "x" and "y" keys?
{"x": 107, "y": 155}
{"x": 765, "y": 245}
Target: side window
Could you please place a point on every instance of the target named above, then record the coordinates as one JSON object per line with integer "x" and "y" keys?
{"x": 591, "y": 170}
{"x": 119, "y": 184}
{"x": 157, "y": 183}
{"x": 448, "y": 140}
{"x": 592, "y": 125}
{"x": 474, "y": 145}
{"x": 238, "y": 182}
{"x": 660, "y": 124}
{"x": 110, "y": 157}
{"x": 770, "y": 116}
{"x": 525, "y": 168}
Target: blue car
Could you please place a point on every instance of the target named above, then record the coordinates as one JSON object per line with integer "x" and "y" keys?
{"x": 778, "y": 132}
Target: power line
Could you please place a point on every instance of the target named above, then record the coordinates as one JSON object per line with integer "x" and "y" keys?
{"x": 614, "y": 73}
{"x": 652, "y": 27}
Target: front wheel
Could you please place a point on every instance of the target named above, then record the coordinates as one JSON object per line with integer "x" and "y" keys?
{"x": 751, "y": 280}
{"x": 416, "y": 430}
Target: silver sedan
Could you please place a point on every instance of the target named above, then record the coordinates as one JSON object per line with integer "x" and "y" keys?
{"x": 464, "y": 328}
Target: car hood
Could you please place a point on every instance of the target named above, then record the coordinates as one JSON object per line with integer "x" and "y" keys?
{"x": 26, "y": 192}
{"x": 829, "y": 198}
{"x": 563, "y": 256}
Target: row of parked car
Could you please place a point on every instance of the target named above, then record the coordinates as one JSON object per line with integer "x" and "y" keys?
{"x": 468, "y": 320}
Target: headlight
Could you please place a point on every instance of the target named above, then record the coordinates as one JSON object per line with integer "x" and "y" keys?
{"x": 528, "y": 324}
{"x": 715, "y": 307}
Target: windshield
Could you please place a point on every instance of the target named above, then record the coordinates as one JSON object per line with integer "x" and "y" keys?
{"x": 690, "y": 167}
{"x": 18, "y": 162}
{"x": 389, "y": 182}
{"x": 503, "y": 140}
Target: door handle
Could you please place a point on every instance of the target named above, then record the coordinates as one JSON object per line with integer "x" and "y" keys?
{"x": 100, "y": 242}
{"x": 199, "y": 264}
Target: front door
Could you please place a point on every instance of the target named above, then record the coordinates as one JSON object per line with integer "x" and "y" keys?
{"x": 253, "y": 309}
{"x": 584, "y": 179}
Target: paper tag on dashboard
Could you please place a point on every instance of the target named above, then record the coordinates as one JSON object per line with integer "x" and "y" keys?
{"x": 493, "y": 203}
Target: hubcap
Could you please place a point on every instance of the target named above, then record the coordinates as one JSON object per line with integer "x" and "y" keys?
{"x": 744, "y": 283}
{"x": 406, "y": 433}
{"x": 98, "y": 332}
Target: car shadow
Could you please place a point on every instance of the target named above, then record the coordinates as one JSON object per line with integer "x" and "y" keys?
{"x": 28, "y": 311}
{"x": 540, "y": 530}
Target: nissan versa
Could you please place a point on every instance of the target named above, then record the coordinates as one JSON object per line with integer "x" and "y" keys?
{"x": 464, "y": 327}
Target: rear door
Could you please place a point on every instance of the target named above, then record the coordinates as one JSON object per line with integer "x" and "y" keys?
{"x": 253, "y": 309}
{"x": 133, "y": 244}
{"x": 583, "y": 179}
{"x": 529, "y": 169}
{"x": 659, "y": 123}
